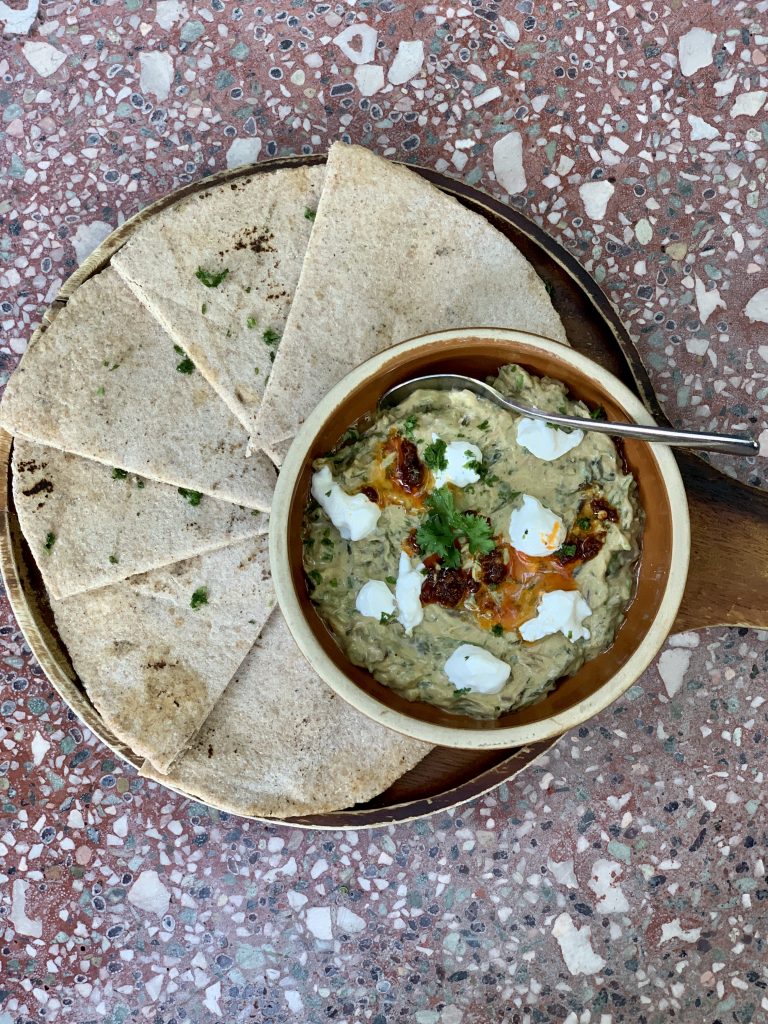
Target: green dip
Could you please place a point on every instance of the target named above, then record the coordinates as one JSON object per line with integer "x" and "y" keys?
{"x": 492, "y": 588}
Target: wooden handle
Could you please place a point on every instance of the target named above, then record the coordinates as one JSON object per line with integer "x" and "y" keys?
{"x": 728, "y": 575}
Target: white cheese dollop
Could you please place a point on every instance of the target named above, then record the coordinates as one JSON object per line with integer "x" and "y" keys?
{"x": 534, "y": 529}
{"x": 354, "y": 515}
{"x": 408, "y": 593}
{"x": 457, "y": 455}
{"x": 545, "y": 442}
{"x": 476, "y": 668}
{"x": 375, "y": 599}
{"x": 559, "y": 611}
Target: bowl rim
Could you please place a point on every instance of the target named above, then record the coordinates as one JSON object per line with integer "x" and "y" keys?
{"x": 442, "y": 735}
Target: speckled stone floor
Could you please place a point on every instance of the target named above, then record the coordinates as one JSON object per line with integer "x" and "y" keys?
{"x": 622, "y": 877}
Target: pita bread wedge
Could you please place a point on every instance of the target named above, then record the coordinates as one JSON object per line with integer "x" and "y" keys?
{"x": 155, "y": 652}
{"x": 88, "y": 525}
{"x": 279, "y": 742}
{"x": 104, "y": 381}
{"x": 254, "y": 232}
{"x": 390, "y": 257}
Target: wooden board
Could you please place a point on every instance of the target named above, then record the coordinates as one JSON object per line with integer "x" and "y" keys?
{"x": 729, "y": 521}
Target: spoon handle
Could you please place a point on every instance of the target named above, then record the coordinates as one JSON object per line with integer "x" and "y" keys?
{"x": 728, "y": 444}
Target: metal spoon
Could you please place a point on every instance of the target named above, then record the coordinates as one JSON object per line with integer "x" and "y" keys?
{"x": 729, "y": 444}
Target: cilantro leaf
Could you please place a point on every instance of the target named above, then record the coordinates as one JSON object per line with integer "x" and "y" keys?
{"x": 210, "y": 278}
{"x": 199, "y": 598}
{"x": 445, "y": 524}
{"x": 566, "y": 551}
{"x": 598, "y": 413}
{"x": 388, "y": 617}
{"x": 434, "y": 455}
{"x": 462, "y": 690}
{"x": 409, "y": 425}
{"x": 497, "y": 630}
{"x": 270, "y": 336}
{"x": 309, "y": 214}
{"x": 479, "y": 534}
{"x": 119, "y": 474}
{"x": 50, "y": 540}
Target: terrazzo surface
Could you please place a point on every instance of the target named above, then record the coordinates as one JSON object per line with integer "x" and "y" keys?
{"x": 622, "y": 876}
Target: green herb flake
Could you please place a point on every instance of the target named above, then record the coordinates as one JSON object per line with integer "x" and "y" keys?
{"x": 484, "y": 425}
{"x": 270, "y": 336}
{"x": 210, "y": 278}
{"x": 193, "y": 497}
{"x": 583, "y": 524}
{"x": 100, "y": 391}
{"x": 327, "y": 541}
{"x": 199, "y": 598}
{"x": 434, "y": 455}
{"x": 204, "y": 308}
{"x": 140, "y": 484}
{"x": 251, "y": 322}
{"x": 598, "y": 414}
{"x": 309, "y": 214}
{"x": 333, "y": 583}
{"x": 315, "y": 576}
{"x": 248, "y": 290}
{"x": 390, "y": 580}
{"x": 256, "y": 370}
{"x": 114, "y": 559}
{"x": 409, "y": 426}
{"x": 119, "y": 474}
{"x": 549, "y": 288}
{"x": 50, "y": 540}
{"x": 186, "y": 366}
{"x": 114, "y": 366}
{"x": 461, "y": 691}
{"x": 566, "y": 551}
{"x": 497, "y": 630}
{"x": 179, "y": 350}
{"x": 388, "y": 617}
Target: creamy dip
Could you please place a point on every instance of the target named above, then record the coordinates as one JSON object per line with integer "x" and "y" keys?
{"x": 478, "y": 556}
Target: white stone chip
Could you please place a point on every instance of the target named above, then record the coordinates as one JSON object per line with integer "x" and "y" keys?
{"x": 694, "y": 50}
{"x": 243, "y": 151}
{"x": 757, "y": 307}
{"x": 369, "y": 78}
{"x": 576, "y": 946}
{"x": 749, "y": 103}
{"x": 43, "y": 57}
{"x": 364, "y": 37}
{"x": 707, "y": 300}
{"x": 595, "y": 195}
{"x": 408, "y": 61}
{"x": 156, "y": 73}
{"x": 149, "y": 894}
{"x": 700, "y": 129}
{"x": 673, "y": 664}
{"x": 508, "y": 163}
{"x": 18, "y": 20}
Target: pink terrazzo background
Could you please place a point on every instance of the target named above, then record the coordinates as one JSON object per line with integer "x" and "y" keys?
{"x": 623, "y": 877}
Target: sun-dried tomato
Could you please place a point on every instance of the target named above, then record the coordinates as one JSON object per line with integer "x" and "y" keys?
{"x": 409, "y": 470}
{"x": 492, "y": 567}
{"x": 447, "y": 587}
{"x": 370, "y": 492}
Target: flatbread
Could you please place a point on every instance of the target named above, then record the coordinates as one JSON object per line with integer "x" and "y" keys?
{"x": 88, "y": 525}
{"x": 280, "y": 742}
{"x": 390, "y": 257}
{"x": 153, "y": 664}
{"x": 257, "y": 229}
{"x": 103, "y": 381}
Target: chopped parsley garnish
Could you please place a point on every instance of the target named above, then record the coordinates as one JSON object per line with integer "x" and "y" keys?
{"x": 248, "y": 289}
{"x": 333, "y": 583}
{"x": 114, "y": 366}
{"x": 444, "y": 525}
{"x": 388, "y": 617}
{"x": 327, "y": 541}
{"x": 119, "y": 474}
{"x": 179, "y": 349}
{"x": 309, "y": 214}
{"x": 251, "y": 322}
{"x": 409, "y": 425}
{"x": 193, "y": 497}
{"x": 461, "y": 691}
{"x": 204, "y": 308}
{"x": 566, "y": 551}
{"x": 315, "y": 576}
{"x": 113, "y": 559}
{"x": 583, "y": 524}
{"x": 100, "y": 391}
{"x": 497, "y": 630}
{"x": 256, "y": 370}
{"x": 350, "y": 435}
{"x": 559, "y": 426}
{"x": 434, "y": 455}
{"x": 199, "y": 598}
{"x": 598, "y": 413}
{"x": 186, "y": 365}
{"x": 391, "y": 580}
{"x": 140, "y": 484}
{"x": 50, "y": 540}
{"x": 484, "y": 425}
{"x": 270, "y": 336}
{"x": 549, "y": 288}
{"x": 210, "y": 278}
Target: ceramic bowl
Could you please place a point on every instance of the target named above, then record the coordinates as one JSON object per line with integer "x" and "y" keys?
{"x": 479, "y": 352}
